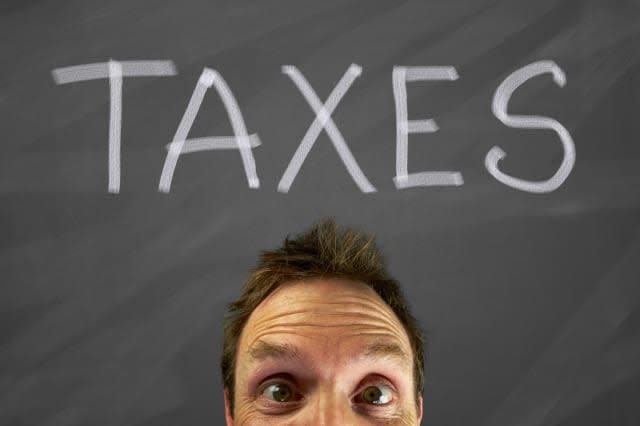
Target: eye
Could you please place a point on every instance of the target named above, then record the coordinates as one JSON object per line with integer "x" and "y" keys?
{"x": 375, "y": 395}
{"x": 278, "y": 396}
{"x": 278, "y": 392}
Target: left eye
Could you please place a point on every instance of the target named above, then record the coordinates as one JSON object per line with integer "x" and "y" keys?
{"x": 278, "y": 392}
{"x": 375, "y": 394}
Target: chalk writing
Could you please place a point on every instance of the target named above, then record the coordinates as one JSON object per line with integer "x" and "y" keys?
{"x": 404, "y": 126}
{"x": 499, "y": 107}
{"x": 323, "y": 120}
{"x": 115, "y": 71}
{"x": 208, "y": 78}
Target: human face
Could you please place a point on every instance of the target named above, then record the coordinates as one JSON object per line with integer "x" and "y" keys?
{"x": 324, "y": 352}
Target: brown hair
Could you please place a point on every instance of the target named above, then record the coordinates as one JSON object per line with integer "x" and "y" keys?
{"x": 324, "y": 251}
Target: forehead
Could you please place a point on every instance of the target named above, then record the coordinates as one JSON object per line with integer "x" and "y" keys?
{"x": 330, "y": 311}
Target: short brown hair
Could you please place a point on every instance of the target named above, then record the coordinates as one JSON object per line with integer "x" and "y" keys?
{"x": 324, "y": 251}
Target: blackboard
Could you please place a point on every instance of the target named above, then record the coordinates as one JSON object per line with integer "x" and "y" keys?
{"x": 524, "y": 270}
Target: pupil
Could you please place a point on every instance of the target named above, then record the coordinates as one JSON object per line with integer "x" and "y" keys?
{"x": 281, "y": 393}
{"x": 372, "y": 394}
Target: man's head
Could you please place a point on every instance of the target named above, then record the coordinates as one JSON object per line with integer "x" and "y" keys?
{"x": 322, "y": 334}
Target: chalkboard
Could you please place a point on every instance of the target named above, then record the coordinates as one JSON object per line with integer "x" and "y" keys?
{"x": 151, "y": 149}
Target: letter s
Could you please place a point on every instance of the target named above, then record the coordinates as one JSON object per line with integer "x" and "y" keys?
{"x": 499, "y": 107}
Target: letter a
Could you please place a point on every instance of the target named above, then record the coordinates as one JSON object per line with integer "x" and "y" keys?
{"x": 181, "y": 145}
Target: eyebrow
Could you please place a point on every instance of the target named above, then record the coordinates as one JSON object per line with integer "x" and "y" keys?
{"x": 262, "y": 351}
{"x": 384, "y": 350}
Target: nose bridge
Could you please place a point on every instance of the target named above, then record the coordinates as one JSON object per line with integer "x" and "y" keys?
{"x": 332, "y": 408}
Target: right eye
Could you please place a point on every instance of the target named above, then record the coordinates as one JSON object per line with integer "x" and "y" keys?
{"x": 376, "y": 395}
{"x": 279, "y": 392}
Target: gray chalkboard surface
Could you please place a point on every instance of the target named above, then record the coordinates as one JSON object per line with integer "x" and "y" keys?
{"x": 151, "y": 149}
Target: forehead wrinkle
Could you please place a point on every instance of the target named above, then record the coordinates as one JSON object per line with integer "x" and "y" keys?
{"x": 381, "y": 341}
{"x": 357, "y": 329}
{"x": 367, "y": 300}
{"x": 358, "y": 322}
{"x": 306, "y": 315}
{"x": 261, "y": 350}
{"x": 363, "y": 310}
{"x": 296, "y": 310}
{"x": 302, "y": 328}
{"x": 302, "y": 331}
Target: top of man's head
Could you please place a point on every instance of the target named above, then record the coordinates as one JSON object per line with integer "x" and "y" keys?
{"x": 323, "y": 252}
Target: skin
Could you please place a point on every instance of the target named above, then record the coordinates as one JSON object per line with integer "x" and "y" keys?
{"x": 324, "y": 352}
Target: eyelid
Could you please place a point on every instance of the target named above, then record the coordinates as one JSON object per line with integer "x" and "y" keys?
{"x": 275, "y": 379}
{"x": 271, "y": 407}
{"x": 278, "y": 379}
{"x": 375, "y": 380}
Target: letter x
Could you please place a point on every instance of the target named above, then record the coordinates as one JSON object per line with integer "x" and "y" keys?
{"x": 323, "y": 120}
